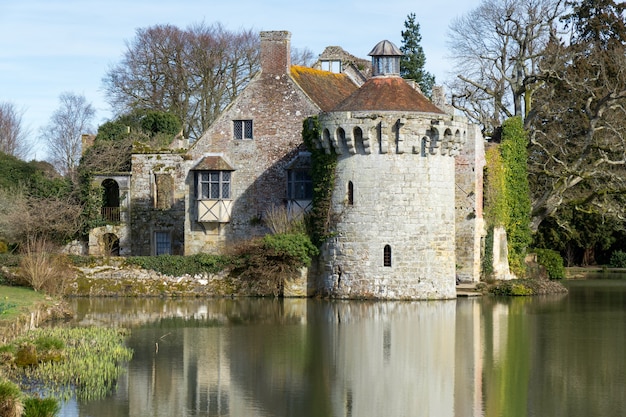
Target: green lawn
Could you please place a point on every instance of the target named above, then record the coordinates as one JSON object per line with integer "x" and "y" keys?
{"x": 17, "y": 300}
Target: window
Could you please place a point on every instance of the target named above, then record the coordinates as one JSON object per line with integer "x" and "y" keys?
{"x": 242, "y": 129}
{"x": 213, "y": 185}
{"x": 350, "y": 193}
{"x": 299, "y": 185}
{"x": 387, "y": 256}
{"x": 332, "y": 66}
{"x": 163, "y": 243}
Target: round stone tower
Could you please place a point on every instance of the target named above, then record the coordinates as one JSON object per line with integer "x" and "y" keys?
{"x": 393, "y": 205}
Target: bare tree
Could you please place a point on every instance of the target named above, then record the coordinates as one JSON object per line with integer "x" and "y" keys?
{"x": 577, "y": 127}
{"x": 63, "y": 134}
{"x": 13, "y": 135}
{"x": 191, "y": 73}
{"x": 303, "y": 57}
{"x": 496, "y": 49}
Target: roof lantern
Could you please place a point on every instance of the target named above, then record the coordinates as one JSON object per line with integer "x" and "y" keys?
{"x": 385, "y": 59}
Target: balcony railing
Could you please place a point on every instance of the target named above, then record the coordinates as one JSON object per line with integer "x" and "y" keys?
{"x": 111, "y": 214}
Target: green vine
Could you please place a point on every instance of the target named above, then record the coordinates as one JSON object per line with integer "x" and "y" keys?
{"x": 507, "y": 193}
{"x": 323, "y": 177}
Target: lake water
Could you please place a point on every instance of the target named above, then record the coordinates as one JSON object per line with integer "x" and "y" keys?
{"x": 552, "y": 356}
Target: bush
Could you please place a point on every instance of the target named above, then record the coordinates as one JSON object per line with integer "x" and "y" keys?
{"x": 295, "y": 248}
{"x": 43, "y": 269}
{"x": 511, "y": 288}
{"x": 552, "y": 261}
{"x": 175, "y": 265}
{"x": 618, "y": 259}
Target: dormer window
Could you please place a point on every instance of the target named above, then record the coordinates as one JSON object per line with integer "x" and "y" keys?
{"x": 242, "y": 129}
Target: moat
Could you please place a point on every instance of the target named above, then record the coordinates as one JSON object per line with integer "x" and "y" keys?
{"x": 558, "y": 355}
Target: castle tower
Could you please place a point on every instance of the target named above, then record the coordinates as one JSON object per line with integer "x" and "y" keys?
{"x": 393, "y": 204}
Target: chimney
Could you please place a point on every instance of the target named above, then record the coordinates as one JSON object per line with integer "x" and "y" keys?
{"x": 276, "y": 52}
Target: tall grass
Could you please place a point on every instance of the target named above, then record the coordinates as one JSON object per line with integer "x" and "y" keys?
{"x": 84, "y": 362}
{"x": 10, "y": 399}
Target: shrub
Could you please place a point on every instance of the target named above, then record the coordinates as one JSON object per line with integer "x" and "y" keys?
{"x": 618, "y": 259}
{"x": 43, "y": 269}
{"x": 295, "y": 248}
{"x": 175, "y": 265}
{"x": 511, "y": 288}
{"x": 552, "y": 261}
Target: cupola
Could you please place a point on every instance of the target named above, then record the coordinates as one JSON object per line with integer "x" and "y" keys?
{"x": 385, "y": 59}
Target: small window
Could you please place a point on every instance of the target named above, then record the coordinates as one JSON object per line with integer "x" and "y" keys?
{"x": 299, "y": 185}
{"x": 163, "y": 243}
{"x": 350, "y": 193}
{"x": 387, "y": 256}
{"x": 242, "y": 129}
{"x": 213, "y": 185}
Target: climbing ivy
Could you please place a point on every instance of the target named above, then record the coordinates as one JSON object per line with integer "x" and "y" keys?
{"x": 515, "y": 158}
{"x": 323, "y": 177}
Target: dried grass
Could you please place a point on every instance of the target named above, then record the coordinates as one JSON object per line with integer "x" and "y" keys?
{"x": 43, "y": 268}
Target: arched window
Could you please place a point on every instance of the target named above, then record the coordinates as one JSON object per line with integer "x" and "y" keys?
{"x": 387, "y": 256}
{"x": 357, "y": 133}
{"x": 111, "y": 200}
{"x": 350, "y": 193}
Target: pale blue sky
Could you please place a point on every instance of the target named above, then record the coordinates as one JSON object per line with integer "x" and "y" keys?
{"x": 48, "y": 47}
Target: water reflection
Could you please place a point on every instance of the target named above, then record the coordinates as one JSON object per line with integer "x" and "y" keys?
{"x": 557, "y": 356}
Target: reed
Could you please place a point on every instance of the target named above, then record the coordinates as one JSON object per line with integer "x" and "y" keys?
{"x": 81, "y": 362}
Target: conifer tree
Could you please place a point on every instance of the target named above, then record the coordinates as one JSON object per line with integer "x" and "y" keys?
{"x": 413, "y": 61}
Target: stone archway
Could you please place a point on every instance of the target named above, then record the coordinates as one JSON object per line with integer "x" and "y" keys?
{"x": 110, "y": 244}
{"x": 111, "y": 200}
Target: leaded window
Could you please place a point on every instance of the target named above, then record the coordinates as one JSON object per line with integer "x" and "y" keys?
{"x": 299, "y": 185}
{"x": 242, "y": 129}
{"x": 213, "y": 185}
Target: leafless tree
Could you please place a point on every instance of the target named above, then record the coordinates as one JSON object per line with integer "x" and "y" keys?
{"x": 192, "y": 73}
{"x": 63, "y": 134}
{"x": 303, "y": 57}
{"x": 496, "y": 49}
{"x": 13, "y": 135}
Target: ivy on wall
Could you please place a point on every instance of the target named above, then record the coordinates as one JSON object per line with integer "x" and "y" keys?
{"x": 515, "y": 157}
{"x": 507, "y": 194}
{"x": 323, "y": 177}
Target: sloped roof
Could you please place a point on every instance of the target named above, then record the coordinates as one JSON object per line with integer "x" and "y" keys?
{"x": 385, "y": 48}
{"x": 387, "y": 94}
{"x": 326, "y": 89}
{"x": 213, "y": 163}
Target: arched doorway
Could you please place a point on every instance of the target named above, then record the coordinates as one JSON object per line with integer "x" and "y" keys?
{"x": 111, "y": 245}
{"x": 111, "y": 200}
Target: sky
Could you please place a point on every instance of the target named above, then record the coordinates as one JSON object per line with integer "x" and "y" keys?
{"x": 48, "y": 47}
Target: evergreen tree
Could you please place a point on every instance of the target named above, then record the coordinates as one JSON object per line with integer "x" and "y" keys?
{"x": 413, "y": 61}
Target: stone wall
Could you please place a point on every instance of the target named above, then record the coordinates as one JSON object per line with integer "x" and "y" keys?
{"x": 146, "y": 216}
{"x": 469, "y": 206}
{"x": 401, "y": 198}
{"x": 277, "y": 108}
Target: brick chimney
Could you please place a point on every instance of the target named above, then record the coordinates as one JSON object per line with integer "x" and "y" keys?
{"x": 275, "y": 52}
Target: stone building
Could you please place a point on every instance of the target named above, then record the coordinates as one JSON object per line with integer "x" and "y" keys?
{"x": 399, "y": 162}
{"x": 394, "y": 195}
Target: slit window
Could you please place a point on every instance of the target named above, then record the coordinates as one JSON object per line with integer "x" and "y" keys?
{"x": 350, "y": 193}
{"x": 387, "y": 255}
{"x": 242, "y": 129}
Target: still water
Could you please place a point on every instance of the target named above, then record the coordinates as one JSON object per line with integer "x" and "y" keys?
{"x": 538, "y": 356}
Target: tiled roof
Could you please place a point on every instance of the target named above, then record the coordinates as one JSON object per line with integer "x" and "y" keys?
{"x": 326, "y": 89}
{"x": 213, "y": 163}
{"x": 387, "y": 94}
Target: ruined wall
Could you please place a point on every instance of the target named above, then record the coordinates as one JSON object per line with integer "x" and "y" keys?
{"x": 469, "y": 206}
{"x": 158, "y": 201}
